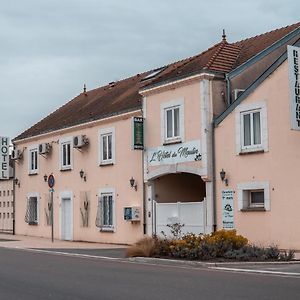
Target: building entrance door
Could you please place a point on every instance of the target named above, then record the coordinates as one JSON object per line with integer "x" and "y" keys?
{"x": 66, "y": 219}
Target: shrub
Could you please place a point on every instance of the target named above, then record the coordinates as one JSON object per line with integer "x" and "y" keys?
{"x": 222, "y": 241}
{"x": 220, "y": 244}
{"x": 287, "y": 255}
{"x": 146, "y": 247}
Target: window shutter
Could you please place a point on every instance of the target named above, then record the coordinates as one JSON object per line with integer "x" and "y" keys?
{"x": 99, "y": 221}
{"x": 26, "y": 219}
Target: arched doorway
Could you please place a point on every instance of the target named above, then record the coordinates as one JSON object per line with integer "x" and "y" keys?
{"x": 179, "y": 198}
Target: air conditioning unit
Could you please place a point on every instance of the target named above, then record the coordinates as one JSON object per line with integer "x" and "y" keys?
{"x": 16, "y": 154}
{"x": 44, "y": 148}
{"x": 132, "y": 213}
{"x": 80, "y": 141}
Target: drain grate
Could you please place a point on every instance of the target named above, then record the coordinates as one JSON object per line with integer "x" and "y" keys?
{"x": 7, "y": 240}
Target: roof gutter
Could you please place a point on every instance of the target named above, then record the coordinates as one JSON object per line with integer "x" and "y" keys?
{"x": 78, "y": 126}
{"x": 264, "y": 53}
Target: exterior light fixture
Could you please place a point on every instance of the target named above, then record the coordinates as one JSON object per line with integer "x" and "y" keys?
{"x": 17, "y": 182}
{"x": 223, "y": 177}
{"x": 82, "y": 175}
{"x": 133, "y": 183}
{"x": 45, "y": 177}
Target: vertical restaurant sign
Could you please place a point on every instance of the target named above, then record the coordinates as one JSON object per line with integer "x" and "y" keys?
{"x": 138, "y": 133}
{"x": 294, "y": 79}
{"x": 4, "y": 157}
{"x": 227, "y": 209}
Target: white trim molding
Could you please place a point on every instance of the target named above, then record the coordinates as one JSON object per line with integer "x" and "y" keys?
{"x": 66, "y": 195}
{"x": 29, "y": 150}
{"x": 163, "y": 126}
{"x": 108, "y": 190}
{"x": 102, "y": 132}
{"x": 239, "y": 112}
{"x": 37, "y": 196}
{"x": 63, "y": 141}
{"x": 245, "y": 187}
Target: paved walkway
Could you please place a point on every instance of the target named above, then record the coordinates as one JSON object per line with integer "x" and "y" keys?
{"x": 22, "y": 241}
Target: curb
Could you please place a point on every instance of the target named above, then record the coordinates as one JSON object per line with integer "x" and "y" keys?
{"x": 166, "y": 261}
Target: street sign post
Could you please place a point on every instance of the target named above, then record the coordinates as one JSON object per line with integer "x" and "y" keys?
{"x": 51, "y": 182}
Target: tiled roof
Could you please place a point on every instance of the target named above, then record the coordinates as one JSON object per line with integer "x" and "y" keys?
{"x": 124, "y": 95}
{"x": 224, "y": 57}
{"x": 93, "y": 105}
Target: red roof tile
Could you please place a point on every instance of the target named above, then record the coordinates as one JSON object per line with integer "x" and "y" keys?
{"x": 124, "y": 95}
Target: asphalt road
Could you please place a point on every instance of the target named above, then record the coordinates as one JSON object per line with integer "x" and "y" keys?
{"x": 31, "y": 275}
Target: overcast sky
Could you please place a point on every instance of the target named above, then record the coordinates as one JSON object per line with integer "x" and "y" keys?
{"x": 50, "y": 48}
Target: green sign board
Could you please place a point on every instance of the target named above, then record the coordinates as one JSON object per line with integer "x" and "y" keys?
{"x": 138, "y": 133}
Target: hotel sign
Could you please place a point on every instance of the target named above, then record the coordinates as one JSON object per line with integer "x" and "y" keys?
{"x": 172, "y": 154}
{"x": 4, "y": 157}
{"x": 227, "y": 209}
{"x": 138, "y": 133}
{"x": 294, "y": 78}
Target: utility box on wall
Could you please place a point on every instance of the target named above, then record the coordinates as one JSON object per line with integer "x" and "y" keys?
{"x": 132, "y": 213}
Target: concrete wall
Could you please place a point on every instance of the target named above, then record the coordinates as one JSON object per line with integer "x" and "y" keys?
{"x": 128, "y": 163}
{"x": 6, "y": 205}
{"x": 279, "y": 166}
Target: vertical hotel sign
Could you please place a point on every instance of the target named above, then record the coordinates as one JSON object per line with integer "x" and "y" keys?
{"x": 4, "y": 157}
{"x": 294, "y": 78}
{"x": 138, "y": 133}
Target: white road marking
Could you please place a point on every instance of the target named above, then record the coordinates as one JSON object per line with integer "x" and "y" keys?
{"x": 256, "y": 271}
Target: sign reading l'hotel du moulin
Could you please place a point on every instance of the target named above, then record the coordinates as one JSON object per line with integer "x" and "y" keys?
{"x": 4, "y": 157}
{"x": 171, "y": 154}
{"x": 294, "y": 78}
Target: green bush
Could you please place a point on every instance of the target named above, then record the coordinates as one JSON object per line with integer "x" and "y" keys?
{"x": 221, "y": 244}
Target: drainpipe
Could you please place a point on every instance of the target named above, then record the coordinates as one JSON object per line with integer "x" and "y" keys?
{"x": 228, "y": 89}
{"x": 214, "y": 177}
{"x": 143, "y": 184}
{"x": 14, "y": 197}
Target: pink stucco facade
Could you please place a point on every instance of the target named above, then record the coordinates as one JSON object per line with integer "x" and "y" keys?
{"x": 115, "y": 177}
{"x": 277, "y": 166}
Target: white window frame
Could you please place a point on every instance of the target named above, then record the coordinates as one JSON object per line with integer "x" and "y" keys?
{"x": 37, "y": 196}
{"x": 33, "y": 148}
{"x": 244, "y": 191}
{"x": 251, "y": 108}
{"x": 104, "y": 132}
{"x": 108, "y": 191}
{"x": 62, "y": 142}
{"x": 179, "y": 103}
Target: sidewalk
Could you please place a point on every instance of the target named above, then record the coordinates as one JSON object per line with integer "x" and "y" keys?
{"x": 29, "y": 242}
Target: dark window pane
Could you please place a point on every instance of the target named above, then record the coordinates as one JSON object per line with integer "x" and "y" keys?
{"x": 247, "y": 130}
{"x": 256, "y": 128}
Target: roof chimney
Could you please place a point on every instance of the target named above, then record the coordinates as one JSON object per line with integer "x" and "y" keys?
{"x": 84, "y": 89}
{"x": 224, "y": 36}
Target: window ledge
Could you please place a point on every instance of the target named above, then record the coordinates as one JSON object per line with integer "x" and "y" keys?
{"x": 107, "y": 229}
{"x": 251, "y": 150}
{"x": 171, "y": 142}
{"x": 66, "y": 169}
{"x": 33, "y": 173}
{"x": 253, "y": 209}
{"x": 33, "y": 223}
{"x": 106, "y": 163}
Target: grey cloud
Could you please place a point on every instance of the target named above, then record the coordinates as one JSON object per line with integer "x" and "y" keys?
{"x": 50, "y": 48}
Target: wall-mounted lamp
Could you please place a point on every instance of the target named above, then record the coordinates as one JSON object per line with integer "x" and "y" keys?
{"x": 223, "y": 177}
{"x": 45, "y": 178}
{"x": 133, "y": 183}
{"x": 82, "y": 174}
{"x": 17, "y": 182}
